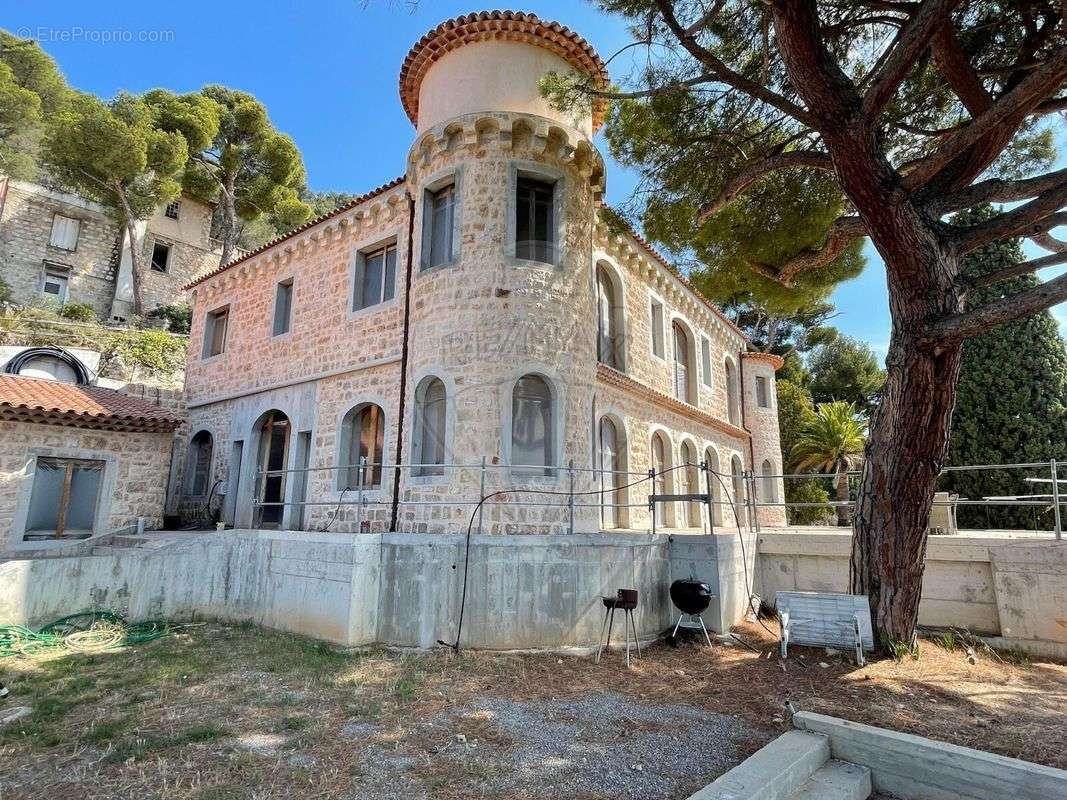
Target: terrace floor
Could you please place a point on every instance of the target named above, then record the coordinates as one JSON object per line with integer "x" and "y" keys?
{"x": 216, "y": 712}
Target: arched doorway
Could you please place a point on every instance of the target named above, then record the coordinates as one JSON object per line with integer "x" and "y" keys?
{"x": 691, "y": 476}
{"x": 662, "y": 481}
{"x": 738, "y": 479}
{"x": 712, "y": 459}
{"x": 273, "y": 458}
{"x": 611, "y": 465}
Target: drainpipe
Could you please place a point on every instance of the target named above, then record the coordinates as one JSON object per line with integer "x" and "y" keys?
{"x": 404, "y": 349}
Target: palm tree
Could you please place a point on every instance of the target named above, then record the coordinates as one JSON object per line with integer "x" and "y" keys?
{"x": 832, "y": 440}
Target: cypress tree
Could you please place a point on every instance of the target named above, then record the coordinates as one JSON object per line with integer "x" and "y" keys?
{"x": 1012, "y": 401}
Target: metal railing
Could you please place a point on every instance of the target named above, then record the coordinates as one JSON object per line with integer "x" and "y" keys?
{"x": 581, "y": 483}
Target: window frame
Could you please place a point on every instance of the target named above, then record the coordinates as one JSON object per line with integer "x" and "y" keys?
{"x": 764, "y": 381}
{"x": 77, "y": 232}
{"x": 618, "y": 317}
{"x": 210, "y": 320}
{"x": 157, "y": 243}
{"x": 550, "y": 469}
{"x": 289, "y": 282}
{"x": 190, "y": 467}
{"x": 532, "y": 170}
{"x": 452, "y": 177}
{"x": 357, "y": 268}
{"x": 346, "y": 428}
{"x": 61, "y": 531}
{"x": 177, "y": 206}
{"x": 679, "y": 324}
{"x": 706, "y": 369}
{"x": 55, "y": 270}
{"x": 654, "y": 301}
{"x": 417, "y": 476}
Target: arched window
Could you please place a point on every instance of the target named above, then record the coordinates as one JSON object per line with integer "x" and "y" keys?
{"x": 273, "y": 458}
{"x": 532, "y": 423}
{"x": 198, "y": 465}
{"x": 663, "y": 483}
{"x": 609, "y": 463}
{"x": 769, "y": 483}
{"x": 733, "y": 406}
{"x": 712, "y": 459}
{"x": 609, "y": 321}
{"x": 682, "y": 365}
{"x": 738, "y": 480}
{"x": 431, "y": 415}
{"x": 691, "y": 475}
{"x": 362, "y": 436}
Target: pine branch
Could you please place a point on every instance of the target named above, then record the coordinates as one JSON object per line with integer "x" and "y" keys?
{"x": 757, "y": 169}
{"x": 1016, "y": 270}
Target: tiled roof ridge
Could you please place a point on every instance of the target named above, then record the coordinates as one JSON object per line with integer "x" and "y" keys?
{"x": 385, "y": 187}
{"x": 482, "y": 26}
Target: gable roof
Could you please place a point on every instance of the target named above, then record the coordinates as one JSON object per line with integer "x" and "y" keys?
{"x": 55, "y": 403}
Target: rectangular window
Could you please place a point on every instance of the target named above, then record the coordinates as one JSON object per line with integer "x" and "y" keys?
{"x": 173, "y": 209}
{"x": 439, "y": 226}
{"x": 657, "y": 328}
{"x": 283, "y": 307}
{"x": 64, "y": 498}
{"x": 55, "y": 283}
{"x": 215, "y": 332}
{"x": 160, "y": 256}
{"x": 705, "y": 360}
{"x": 763, "y": 392}
{"x": 64, "y": 232}
{"x": 535, "y": 229}
{"x": 375, "y": 277}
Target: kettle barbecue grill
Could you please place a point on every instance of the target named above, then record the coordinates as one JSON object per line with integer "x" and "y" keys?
{"x": 692, "y": 598}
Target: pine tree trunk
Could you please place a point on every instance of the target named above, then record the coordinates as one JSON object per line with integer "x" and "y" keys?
{"x": 905, "y": 453}
{"x": 229, "y": 220}
{"x": 136, "y": 252}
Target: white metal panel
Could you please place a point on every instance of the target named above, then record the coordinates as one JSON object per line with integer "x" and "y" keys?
{"x": 826, "y": 619}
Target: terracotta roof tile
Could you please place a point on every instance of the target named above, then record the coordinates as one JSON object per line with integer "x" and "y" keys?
{"x": 56, "y": 403}
{"x": 511, "y": 26}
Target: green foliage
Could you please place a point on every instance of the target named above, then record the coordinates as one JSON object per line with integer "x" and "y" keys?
{"x": 831, "y": 440}
{"x": 846, "y": 369}
{"x": 5, "y": 291}
{"x": 115, "y": 153}
{"x": 795, "y": 413}
{"x": 31, "y": 87}
{"x": 78, "y": 312}
{"x": 151, "y": 351}
{"x": 1010, "y": 404}
{"x": 179, "y": 316}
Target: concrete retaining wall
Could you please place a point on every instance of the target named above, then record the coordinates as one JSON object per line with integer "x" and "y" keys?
{"x": 1012, "y": 589}
{"x": 397, "y": 589}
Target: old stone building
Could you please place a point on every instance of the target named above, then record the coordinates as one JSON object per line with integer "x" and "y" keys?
{"x": 60, "y": 247}
{"x": 474, "y": 327}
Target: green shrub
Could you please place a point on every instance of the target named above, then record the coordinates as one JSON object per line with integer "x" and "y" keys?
{"x": 78, "y": 312}
{"x": 154, "y": 351}
{"x": 179, "y": 317}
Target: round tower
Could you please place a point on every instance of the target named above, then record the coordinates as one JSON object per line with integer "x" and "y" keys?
{"x": 502, "y": 338}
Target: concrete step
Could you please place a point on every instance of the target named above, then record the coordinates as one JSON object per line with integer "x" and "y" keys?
{"x": 836, "y": 780}
{"x": 773, "y": 772}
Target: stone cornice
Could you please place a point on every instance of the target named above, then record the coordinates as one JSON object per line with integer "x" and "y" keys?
{"x": 777, "y": 362}
{"x": 613, "y": 377}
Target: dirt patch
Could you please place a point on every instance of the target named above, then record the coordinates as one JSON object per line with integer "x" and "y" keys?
{"x": 226, "y": 713}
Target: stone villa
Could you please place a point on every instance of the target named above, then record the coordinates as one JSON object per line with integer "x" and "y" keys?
{"x": 60, "y": 247}
{"x": 474, "y": 308}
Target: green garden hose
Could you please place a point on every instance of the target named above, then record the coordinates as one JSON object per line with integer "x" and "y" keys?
{"x": 88, "y": 632}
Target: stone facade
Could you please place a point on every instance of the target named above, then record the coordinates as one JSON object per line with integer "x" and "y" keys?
{"x": 133, "y": 486}
{"x": 92, "y": 267}
{"x": 478, "y": 323}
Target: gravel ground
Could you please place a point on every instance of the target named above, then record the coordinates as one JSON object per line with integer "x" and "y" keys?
{"x": 604, "y": 745}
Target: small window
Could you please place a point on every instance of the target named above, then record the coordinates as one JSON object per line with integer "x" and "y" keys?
{"x": 609, "y": 312}
{"x": 682, "y": 367}
{"x": 55, "y": 283}
{"x": 763, "y": 392}
{"x": 375, "y": 277}
{"x": 439, "y": 227}
{"x": 283, "y": 307}
{"x": 173, "y": 209}
{"x": 363, "y": 432}
{"x": 532, "y": 424}
{"x": 535, "y": 228}
{"x": 64, "y": 498}
{"x": 733, "y": 405}
{"x": 705, "y": 360}
{"x": 769, "y": 483}
{"x": 160, "y": 256}
{"x": 215, "y": 332}
{"x": 64, "y": 232}
{"x": 199, "y": 465}
{"x": 431, "y": 415}
{"x": 657, "y": 328}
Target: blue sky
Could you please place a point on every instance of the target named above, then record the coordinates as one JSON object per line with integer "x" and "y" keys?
{"x": 327, "y": 72}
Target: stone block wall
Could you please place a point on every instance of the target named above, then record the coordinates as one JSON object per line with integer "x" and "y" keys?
{"x": 137, "y": 466}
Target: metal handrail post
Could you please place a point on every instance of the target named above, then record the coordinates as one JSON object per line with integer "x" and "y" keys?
{"x": 359, "y": 493}
{"x": 1056, "y": 501}
{"x": 481, "y": 495}
{"x": 570, "y": 496}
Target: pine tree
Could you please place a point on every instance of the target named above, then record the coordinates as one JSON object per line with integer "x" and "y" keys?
{"x": 1012, "y": 400}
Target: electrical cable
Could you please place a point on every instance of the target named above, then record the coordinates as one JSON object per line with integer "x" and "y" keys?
{"x": 337, "y": 511}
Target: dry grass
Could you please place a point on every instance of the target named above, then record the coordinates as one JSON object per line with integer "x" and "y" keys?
{"x": 225, "y": 713}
